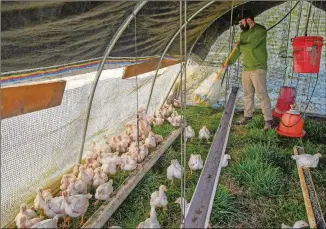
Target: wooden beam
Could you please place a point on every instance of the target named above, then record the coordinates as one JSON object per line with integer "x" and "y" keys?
{"x": 101, "y": 216}
{"x": 199, "y": 212}
{"x": 147, "y": 66}
{"x": 313, "y": 209}
{"x": 23, "y": 99}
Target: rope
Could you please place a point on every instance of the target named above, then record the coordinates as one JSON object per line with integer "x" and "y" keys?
{"x": 307, "y": 22}
{"x": 287, "y": 42}
{"x": 137, "y": 100}
{"x": 308, "y": 99}
{"x": 285, "y": 16}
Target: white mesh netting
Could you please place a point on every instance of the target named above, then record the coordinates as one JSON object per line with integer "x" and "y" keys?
{"x": 40, "y": 146}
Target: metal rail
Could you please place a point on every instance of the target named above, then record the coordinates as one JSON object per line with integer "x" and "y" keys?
{"x": 202, "y": 201}
{"x": 314, "y": 212}
{"x": 101, "y": 66}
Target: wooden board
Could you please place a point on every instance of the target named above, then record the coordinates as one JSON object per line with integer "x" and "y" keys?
{"x": 314, "y": 212}
{"x": 202, "y": 200}
{"x": 148, "y": 66}
{"x": 23, "y": 99}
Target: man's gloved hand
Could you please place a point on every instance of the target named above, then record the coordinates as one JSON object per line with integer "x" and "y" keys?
{"x": 225, "y": 66}
{"x": 236, "y": 44}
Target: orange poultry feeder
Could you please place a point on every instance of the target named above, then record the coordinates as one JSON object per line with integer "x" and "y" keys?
{"x": 291, "y": 124}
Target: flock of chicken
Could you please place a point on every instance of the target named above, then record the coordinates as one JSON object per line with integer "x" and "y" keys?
{"x": 124, "y": 152}
{"x": 104, "y": 159}
{"x": 175, "y": 171}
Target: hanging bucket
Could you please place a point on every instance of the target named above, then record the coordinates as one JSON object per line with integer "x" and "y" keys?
{"x": 306, "y": 54}
{"x": 286, "y": 97}
{"x": 291, "y": 124}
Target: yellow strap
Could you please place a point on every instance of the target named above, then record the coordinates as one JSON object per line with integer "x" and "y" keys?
{"x": 225, "y": 63}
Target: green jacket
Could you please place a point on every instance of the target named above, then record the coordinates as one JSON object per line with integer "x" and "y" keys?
{"x": 253, "y": 47}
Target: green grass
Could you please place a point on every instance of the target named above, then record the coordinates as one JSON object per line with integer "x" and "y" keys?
{"x": 259, "y": 188}
{"x": 224, "y": 207}
{"x": 260, "y": 179}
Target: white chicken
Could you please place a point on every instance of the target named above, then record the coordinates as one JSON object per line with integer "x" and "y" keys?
{"x": 144, "y": 127}
{"x": 65, "y": 181}
{"x": 158, "y": 138}
{"x": 176, "y": 103}
{"x": 141, "y": 154}
{"x": 113, "y": 143}
{"x": 225, "y": 161}
{"x": 307, "y": 160}
{"x": 174, "y": 171}
{"x": 158, "y": 121}
{"x": 93, "y": 162}
{"x": 189, "y": 133}
{"x": 103, "y": 146}
{"x": 183, "y": 203}
{"x": 109, "y": 167}
{"x": 159, "y": 198}
{"x": 99, "y": 177}
{"x": 175, "y": 119}
{"x": 125, "y": 140}
{"x": 128, "y": 164}
{"x": 150, "y": 141}
{"x": 158, "y": 114}
{"x": 76, "y": 205}
{"x": 104, "y": 191}
{"x": 54, "y": 207}
{"x": 86, "y": 176}
{"x": 39, "y": 201}
{"x": 204, "y": 133}
{"x": 152, "y": 221}
{"x": 195, "y": 162}
{"x": 298, "y": 224}
{"x": 77, "y": 187}
{"x": 27, "y": 223}
{"x": 48, "y": 223}
{"x": 23, "y": 211}
{"x": 75, "y": 170}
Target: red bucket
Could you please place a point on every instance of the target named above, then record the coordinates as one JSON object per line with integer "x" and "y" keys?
{"x": 306, "y": 54}
{"x": 286, "y": 97}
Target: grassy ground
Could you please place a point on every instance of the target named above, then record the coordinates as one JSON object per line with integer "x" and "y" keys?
{"x": 259, "y": 188}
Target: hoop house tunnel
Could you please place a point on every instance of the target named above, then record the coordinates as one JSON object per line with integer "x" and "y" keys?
{"x": 88, "y": 66}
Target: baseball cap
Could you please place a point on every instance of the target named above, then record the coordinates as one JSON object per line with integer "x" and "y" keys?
{"x": 245, "y": 14}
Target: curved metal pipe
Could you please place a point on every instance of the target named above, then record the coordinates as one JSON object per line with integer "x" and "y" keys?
{"x": 168, "y": 46}
{"x": 107, "y": 52}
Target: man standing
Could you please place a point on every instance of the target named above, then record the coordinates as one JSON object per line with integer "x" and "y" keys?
{"x": 252, "y": 46}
